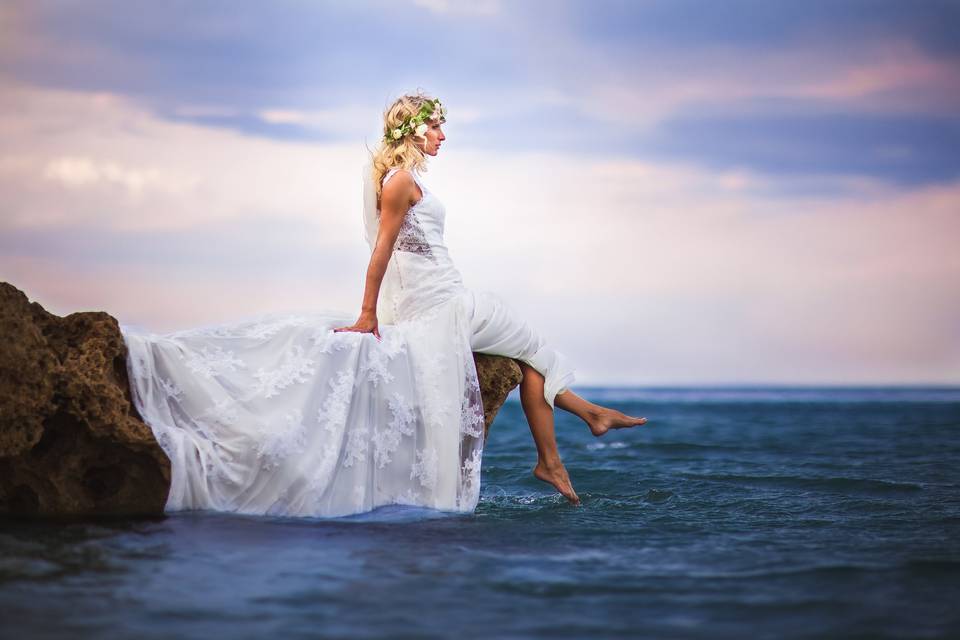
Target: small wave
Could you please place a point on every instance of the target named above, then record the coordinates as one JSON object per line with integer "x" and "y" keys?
{"x": 572, "y": 556}
{"x": 399, "y": 513}
{"x": 500, "y": 497}
{"x": 657, "y": 496}
{"x": 948, "y": 567}
{"x": 692, "y": 446}
{"x": 827, "y": 569}
{"x": 608, "y": 445}
{"x": 666, "y": 447}
{"x": 827, "y": 483}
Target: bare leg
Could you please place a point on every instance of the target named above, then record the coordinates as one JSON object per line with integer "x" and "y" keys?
{"x": 600, "y": 419}
{"x": 540, "y": 418}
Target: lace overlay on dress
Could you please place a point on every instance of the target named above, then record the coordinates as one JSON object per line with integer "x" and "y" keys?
{"x": 412, "y": 238}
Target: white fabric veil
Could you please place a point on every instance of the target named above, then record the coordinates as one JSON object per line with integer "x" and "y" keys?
{"x": 390, "y": 287}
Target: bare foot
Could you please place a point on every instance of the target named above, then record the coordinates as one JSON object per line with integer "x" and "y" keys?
{"x": 606, "y": 419}
{"x": 556, "y": 474}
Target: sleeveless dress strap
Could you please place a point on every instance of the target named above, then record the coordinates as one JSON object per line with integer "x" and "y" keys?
{"x": 389, "y": 174}
{"x": 416, "y": 178}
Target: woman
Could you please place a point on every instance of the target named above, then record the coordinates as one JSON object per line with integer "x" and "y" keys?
{"x": 413, "y": 130}
{"x": 306, "y": 415}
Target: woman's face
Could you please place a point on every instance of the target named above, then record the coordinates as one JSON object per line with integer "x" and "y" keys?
{"x": 434, "y": 136}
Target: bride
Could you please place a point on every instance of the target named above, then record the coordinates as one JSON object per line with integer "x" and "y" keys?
{"x": 308, "y": 415}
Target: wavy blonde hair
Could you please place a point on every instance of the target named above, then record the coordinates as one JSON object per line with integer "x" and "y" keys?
{"x": 402, "y": 153}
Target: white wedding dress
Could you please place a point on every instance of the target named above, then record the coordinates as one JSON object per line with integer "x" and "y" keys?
{"x": 279, "y": 415}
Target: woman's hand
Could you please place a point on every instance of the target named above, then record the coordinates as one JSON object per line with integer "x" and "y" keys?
{"x": 366, "y": 323}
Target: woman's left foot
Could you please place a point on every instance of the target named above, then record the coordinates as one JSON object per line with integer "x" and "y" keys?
{"x": 556, "y": 474}
{"x": 606, "y": 419}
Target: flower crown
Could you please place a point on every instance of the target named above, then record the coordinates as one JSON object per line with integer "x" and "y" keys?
{"x": 430, "y": 110}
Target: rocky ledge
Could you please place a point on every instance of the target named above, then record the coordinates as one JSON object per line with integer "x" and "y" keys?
{"x": 71, "y": 440}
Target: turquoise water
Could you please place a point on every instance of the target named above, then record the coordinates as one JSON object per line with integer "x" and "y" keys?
{"x": 761, "y": 513}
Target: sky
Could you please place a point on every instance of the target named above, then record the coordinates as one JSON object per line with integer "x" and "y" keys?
{"x": 671, "y": 193}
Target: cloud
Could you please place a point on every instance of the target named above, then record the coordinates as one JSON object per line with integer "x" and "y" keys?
{"x": 80, "y": 172}
{"x": 906, "y": 149}
{"x": 476, "y": 7}
{"x": 104, "y": 161}
{"x": 892, "y": 77}
{"x": 756, "y": 26}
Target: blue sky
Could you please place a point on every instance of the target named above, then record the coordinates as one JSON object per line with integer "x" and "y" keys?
{"x": 174, "y": 143}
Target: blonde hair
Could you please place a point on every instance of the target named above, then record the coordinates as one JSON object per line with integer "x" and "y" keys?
{"x": 402, "y": 153}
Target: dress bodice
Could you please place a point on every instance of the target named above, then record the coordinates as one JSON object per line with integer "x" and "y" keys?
{"x": 427, "y": 273}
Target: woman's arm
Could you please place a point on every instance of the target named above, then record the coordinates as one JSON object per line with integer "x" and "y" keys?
{"x": 396, "y": 199}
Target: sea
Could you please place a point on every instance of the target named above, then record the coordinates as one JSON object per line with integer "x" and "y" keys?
{"x": 735, "y": 512}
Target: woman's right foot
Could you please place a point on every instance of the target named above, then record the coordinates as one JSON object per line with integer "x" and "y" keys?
{"x": 556, "y": 474}
{"x": 605, "y": 419}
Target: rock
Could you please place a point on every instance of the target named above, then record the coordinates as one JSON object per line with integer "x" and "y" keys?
{"x": 71, "y": 440}
{"x": 498, "y": 377}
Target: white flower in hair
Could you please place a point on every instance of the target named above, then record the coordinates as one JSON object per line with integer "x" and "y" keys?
{"x": 421, "y": 128}
{"x": 396, "y": 134}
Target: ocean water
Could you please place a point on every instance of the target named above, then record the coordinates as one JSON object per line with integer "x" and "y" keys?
{"x": 734, "y": 513}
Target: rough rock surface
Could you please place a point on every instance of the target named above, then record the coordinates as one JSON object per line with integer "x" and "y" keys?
{"x": 498, "y": 377}
{"x": 71, "y": 440}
